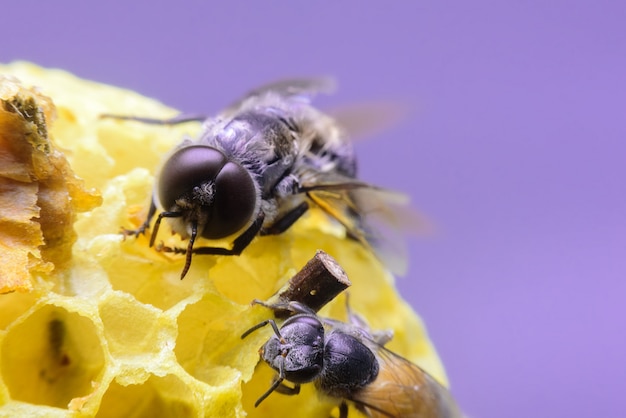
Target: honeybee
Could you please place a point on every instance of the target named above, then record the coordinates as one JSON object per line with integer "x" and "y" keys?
{"x": 349, "y": 362}
{"x": 256, "y": 168}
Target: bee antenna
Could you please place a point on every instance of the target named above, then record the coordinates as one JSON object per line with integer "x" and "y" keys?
{"x": 277, "y": 382}
{"x": 192, "y": 240}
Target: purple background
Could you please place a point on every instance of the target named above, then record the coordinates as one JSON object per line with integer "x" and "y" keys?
{"x": 515, "y": 151}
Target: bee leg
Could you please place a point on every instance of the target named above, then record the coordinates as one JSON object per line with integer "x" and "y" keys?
{"x": 343, "y": 410}
{"x": 287, "y": 390}
{"x": 182, "y": 118}
{"x": 239, "y": 244}
{"x": 293, "y": 307}
{"x": 381, "y": 337}
{"x": 285, "y": 222}
{"x": 157, "y": 224}
{"x": 353, "y": 317}
{"x": 144, "y": 225}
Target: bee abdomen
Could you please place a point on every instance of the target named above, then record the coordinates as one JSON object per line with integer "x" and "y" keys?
{"x": 349, "y": 365}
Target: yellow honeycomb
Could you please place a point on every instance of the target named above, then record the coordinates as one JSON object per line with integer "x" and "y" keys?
{"x": 95, "y": 325}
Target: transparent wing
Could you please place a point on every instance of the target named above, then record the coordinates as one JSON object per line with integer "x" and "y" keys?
{"x": 404, "y": 390}
{"x": 364, "y": 120}
{"x": 401, "y": 389}
{"x": 378, "y": 218}
{"x": 295, "y": 88}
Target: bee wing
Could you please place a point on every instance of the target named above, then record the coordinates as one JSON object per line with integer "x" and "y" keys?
{"x": 402, "y": 389}
{"x": 390, "y": 219}
{"x": 364, "y": 120}
{"x": 378, "y": 218}
{"x": 296, "y": 88}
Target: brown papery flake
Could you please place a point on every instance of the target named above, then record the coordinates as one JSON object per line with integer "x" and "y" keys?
{"x": 39, "y": 195}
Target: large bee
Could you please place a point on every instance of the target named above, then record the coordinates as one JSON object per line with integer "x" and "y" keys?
{"x": 347, "y": 361}
{"x": 256, "y": 168}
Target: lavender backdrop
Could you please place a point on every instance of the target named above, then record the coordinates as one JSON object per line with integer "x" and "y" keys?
{"x": 515, "y": 151}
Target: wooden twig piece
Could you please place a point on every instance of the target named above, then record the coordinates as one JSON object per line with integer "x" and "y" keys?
{"x": 316, "y": 284}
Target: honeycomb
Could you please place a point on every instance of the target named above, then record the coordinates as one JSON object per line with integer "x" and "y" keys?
{"x": 92, "y": 324}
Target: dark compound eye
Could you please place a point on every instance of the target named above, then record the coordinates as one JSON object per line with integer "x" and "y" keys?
{"x": 234, "y": 204}
{"x": 235, "y": 196}
{"x": 305, "y": 339}
{"x": 187, "y": 168}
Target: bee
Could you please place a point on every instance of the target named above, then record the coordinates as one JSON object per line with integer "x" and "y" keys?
{"x": 349, "y": 362}
{"x": 256, "y": 168}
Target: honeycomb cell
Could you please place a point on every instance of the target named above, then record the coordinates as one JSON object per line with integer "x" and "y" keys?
{"x": 51, "y": 357}
{"x": 257, "y": 273}
{"x": 132, "y": 328}
{"x": 166, "y": 396}
{"x": 207, "y": 332}
{"x": 160, "y": 283}
{"x": 113, "y": 330}
{"x": 13, "y": 305}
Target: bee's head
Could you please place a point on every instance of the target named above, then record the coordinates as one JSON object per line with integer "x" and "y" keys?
{"x": 216, "y": 194}
{"x": 299, "y": 349}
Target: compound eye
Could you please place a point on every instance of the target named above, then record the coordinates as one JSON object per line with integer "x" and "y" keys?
{"x": 303, "y": 363}
{"x": 187, "y": 168}
{"x": 234, "y": 203}
{"x": 309, "y": 328}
